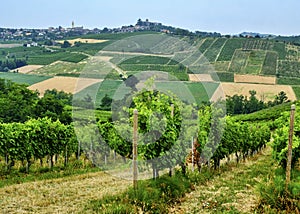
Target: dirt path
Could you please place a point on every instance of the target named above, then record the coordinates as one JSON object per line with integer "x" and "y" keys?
{"x": 64, "y": 195}
{"x": 232, "y": 191}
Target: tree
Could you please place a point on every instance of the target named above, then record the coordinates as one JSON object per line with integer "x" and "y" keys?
{"x": 48, "y": 42}
{"x": 66, "y": 44}
{"x": 235, "y": 104}
{"x": 52, "y": 107}
{"x": 280, "y": 98}
{"x": 106, "y": 103}
{"x": 17, "y": 102}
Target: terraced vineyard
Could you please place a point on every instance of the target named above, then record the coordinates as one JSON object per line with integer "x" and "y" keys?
{"x": 222, "y": 56}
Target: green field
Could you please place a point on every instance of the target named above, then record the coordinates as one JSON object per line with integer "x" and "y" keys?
{"x": 98, "y": 90}
{"x": 229, "y": 48}
{"x": 297, "y": 91}
{"x": 40, "y": 55}
{"x": 23, "y": 78}
{"x": 186, "y": 91}
{"x": 50, "y": 57}
{"x": 289, "y": 68}
{"x": 91, "y": 49}
{"x": 270, "y": 63}
{"x": 224, "y": 77}
{"x": 212, "y": 53}
{"x": 156, "y": 63}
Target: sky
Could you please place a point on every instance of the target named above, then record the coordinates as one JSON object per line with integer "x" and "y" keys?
{"x": 224, "y": 16}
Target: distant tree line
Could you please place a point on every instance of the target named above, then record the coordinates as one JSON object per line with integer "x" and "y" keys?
{"x": 239, "y": 104}
{"x": 19, "y": 104}
{"x": 10, "y": 64}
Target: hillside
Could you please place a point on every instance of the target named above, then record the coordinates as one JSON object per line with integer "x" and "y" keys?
{"x": 265, "y": 61}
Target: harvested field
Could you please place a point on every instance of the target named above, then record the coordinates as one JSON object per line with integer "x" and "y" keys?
{"x": 63, "y": 195}
{"x": 247, "y": 78}
{"x": 218, "y": 95}
{"x": 60, "y": 67}
{"x": 10, "y": 45}
{"x": 200, "y": 78}
{"x": 264, "y": 92}
{"x": 28, "y": 68}
{"x": 66, "y": 84}
{"x": 91, "y": 41}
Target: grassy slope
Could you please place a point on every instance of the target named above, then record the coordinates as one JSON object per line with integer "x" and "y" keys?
{"x": 23, "y": 78}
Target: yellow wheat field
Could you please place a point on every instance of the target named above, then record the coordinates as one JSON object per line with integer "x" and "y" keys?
{"x": 28, "y": 68}
{"x": 66, "y": 84}
{"x": 264, "y": 92}
{"x": 247, "y": 78}
{"x": 91, "y": 41}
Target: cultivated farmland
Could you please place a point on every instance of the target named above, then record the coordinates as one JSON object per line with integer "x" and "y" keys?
{"x": 28, "y": 68}
{"x": 265, "y": 92}
{"x": 81, "y": 40}
{"x": 115, "y": 74}
{"x": 67, "y": 84}
{"x": 254, "y": 79}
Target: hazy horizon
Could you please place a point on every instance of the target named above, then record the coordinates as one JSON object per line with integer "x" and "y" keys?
{"x": 225, "y": 17}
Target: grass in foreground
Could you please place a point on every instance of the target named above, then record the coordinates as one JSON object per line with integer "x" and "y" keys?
{"x": 37, "y": 173}
{"x": 233, "y": 191}
{"x": 229, "y": 190}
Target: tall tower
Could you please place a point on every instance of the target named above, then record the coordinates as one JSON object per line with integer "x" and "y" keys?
{"x": 73, "y": 24}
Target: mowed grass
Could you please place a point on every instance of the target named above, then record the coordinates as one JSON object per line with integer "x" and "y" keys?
{"x": 28, "y": 79}
{"x": 61, "y": 195}
{"x": 98, "y": 90}
{"x": 233, "y": 190}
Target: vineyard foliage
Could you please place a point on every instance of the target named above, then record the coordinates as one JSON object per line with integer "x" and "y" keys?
{"x": 159, "y": 130}
{"x": 35, "y": 139}
{"x": 281, "y": 137}
{"x": 239, "y": 138}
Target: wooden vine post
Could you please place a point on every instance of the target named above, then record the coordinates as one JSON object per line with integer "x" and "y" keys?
{"x": 134, "y": 148}
{"x": 172, "y": 115}
{"x": 290, "y": 146}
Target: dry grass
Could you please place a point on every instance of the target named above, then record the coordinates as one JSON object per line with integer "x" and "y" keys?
{"x": 10, "y": 45}
{"x": 66, "y": 84}
{"x": 200, "y": 78}
{"x": 91, "y": 41}
{"x": 218, "y": 95}
{"x": 264, "y": 92}
{"x": 64, "y": 195}
{"x": 247, "y": 78}
{"x": 28, "y": 68}
{"x": 230, "y": 192}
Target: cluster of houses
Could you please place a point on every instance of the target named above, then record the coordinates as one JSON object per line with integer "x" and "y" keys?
{"x": 59, "y": 33}
{"x": 55, "y": 33}
{"x": 35, "y": 35}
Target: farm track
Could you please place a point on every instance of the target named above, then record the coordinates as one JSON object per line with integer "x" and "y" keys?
{"x": 104, "y": 53}
{"x": 63, "y": 195}
{"x": 232, "y": 190}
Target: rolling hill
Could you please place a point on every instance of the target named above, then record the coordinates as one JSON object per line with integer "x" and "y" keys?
{"x": 264, "y": 61}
